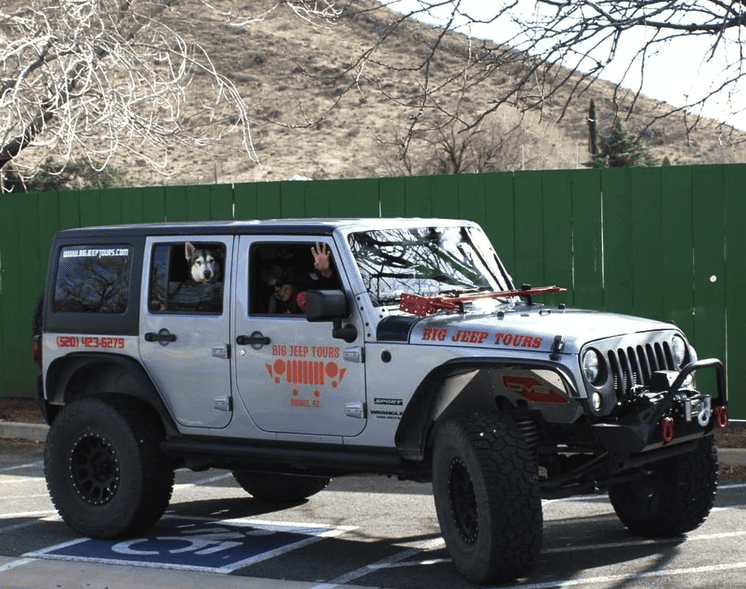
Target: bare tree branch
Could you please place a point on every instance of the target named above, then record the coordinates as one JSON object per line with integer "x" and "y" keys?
{"x": 98, "y": 76}
{"x": 552, "y": 50}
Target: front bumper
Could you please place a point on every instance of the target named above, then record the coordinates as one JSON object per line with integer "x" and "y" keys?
{"x": 667, "y": 413}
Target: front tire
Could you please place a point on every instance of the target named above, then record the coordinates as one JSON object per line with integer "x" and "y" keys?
{"x": 487, "y": 499}
{"x": 279, "y": 488}
{"x": 674, "y": 498}
{"x": 105, "y": 471}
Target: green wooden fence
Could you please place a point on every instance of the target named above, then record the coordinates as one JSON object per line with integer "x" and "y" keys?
{"x": 662, "y": 242}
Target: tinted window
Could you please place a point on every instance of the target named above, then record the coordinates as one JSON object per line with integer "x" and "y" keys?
{"x": 274, "y": 265}
{"x": 93, "y": 279}
{"x": 176, "y": 288}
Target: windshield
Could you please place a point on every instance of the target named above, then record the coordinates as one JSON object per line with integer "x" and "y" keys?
{"x": 426, "y": 261}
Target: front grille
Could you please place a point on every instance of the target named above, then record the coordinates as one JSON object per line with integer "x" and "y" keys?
{"x": 634, "y": 366}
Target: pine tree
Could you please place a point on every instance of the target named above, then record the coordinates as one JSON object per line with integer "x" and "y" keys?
{"x": 619, "y": 149}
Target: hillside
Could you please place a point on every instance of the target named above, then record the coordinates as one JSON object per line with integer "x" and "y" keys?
{"x": 312, "y": 119}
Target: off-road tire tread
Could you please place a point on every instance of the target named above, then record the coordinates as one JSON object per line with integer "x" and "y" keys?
{"x": 146, "y": 498}
{"x": 687, "y": 485}
{"x": 492, "y": 443}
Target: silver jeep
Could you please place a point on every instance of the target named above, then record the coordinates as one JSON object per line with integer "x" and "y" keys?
{"x": 410, "y": 354}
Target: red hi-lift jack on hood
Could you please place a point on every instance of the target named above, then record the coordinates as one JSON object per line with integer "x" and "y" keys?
{"x": 423, "y": 306}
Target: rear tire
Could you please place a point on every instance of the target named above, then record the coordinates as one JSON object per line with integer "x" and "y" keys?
{"x": 675, "y": 497}
{"x": 279, "y": 488}
{"x": 105, "y": 471}
{"x": 487, "y": 499}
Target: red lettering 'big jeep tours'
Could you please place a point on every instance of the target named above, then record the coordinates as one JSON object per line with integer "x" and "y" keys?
{"x": 292, "y": 351}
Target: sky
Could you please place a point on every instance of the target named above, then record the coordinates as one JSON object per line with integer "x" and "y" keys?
{"x": 684, "y": 68}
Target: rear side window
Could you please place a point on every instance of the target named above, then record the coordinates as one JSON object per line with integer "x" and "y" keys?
{"x": 187, "y": 277}
{"x": 93, "y": 279}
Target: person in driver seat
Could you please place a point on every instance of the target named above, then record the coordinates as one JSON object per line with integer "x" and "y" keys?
{"x": 290, "y": 284}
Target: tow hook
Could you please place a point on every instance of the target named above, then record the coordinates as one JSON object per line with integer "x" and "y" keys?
{"x": 721, "y": 416}
{"x": 703, "y": 417}
{"x": 667, "y": 432}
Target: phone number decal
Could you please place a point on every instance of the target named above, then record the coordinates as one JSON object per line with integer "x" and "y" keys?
{"x": 90, "y": 341}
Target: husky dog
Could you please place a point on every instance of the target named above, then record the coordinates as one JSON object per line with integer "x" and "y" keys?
{"x": 203, "y": 265}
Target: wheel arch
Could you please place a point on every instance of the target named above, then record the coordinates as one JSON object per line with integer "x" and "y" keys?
{"x": 439, "y": 396}
{"x": 82, "y": 374}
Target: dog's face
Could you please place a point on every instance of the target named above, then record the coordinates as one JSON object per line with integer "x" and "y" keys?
{"x": 203, "y": 265}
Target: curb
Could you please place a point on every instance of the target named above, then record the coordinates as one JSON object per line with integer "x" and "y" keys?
{"x": 732, "y": 456}
{"x": 34, "y": 432}
{"x": 38, "y": 433}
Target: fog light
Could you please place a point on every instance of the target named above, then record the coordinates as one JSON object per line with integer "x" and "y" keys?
{"x": 596, "y": 401}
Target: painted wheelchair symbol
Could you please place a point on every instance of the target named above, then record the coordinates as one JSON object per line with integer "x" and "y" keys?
{"x": 197, "y": 545}
{"x": 201, "y": 541}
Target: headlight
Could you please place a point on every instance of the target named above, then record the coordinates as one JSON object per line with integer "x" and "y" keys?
{"x": 678, "y": 351}
{"x": 592, "y": 366}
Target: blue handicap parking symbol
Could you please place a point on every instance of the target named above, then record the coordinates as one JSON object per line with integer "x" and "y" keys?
{"x": 203, "y": 545}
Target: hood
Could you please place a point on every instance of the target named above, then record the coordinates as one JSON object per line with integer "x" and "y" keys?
{"x": 520, "y": 327}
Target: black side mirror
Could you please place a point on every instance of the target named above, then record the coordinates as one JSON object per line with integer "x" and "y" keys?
{"x": 330, "y": 305}
{"x": 326, "y": 305}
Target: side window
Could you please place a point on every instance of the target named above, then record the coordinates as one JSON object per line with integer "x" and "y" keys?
{"x": 187, "y": 277}
{"x": 93, "y": 279}
{"x": 280, "y": 273}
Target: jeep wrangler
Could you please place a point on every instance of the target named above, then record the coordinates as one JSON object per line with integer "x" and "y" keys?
{"x": 416, "y": 358}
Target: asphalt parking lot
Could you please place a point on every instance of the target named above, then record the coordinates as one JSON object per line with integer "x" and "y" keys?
{"x": 360, "y": 532}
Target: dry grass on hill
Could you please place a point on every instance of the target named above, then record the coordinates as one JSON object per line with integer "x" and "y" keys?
{"x": 312, "y": 119}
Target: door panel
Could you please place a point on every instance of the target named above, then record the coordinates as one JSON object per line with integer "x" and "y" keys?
{"x": 184, "y": 331}
{"x": 292, "y": 376}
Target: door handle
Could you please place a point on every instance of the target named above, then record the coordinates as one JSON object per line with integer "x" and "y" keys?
{"x": 256, "y": 340}
{"x": 163, "y": 337}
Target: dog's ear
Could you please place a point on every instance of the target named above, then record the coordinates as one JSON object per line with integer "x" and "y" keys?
{"x": 189, "y": 250}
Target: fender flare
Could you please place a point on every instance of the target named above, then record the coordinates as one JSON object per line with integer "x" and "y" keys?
{"x": 64, "y": 370}
{"x": 413, "y": 433}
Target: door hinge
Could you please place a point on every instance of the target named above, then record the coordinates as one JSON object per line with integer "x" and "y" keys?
{"x": 222, "y": 351}
{"x": 222, "y": 403}
{"x": 356, "y": 410}
{"x": 356, "y": 354}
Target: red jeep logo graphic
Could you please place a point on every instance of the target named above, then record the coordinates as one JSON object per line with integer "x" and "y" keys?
{"x": 533, "y": 390}
{"x": 306, "y": 372}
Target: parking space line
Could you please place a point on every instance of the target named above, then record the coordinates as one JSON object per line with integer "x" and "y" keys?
{"x": 630, "y": 543}
{"x": 20, "y": 526}
{"x": 387, "y": 562}
{"x": 8, "y": 479}
{"x": 412, "y": 563}
{"x": 559, "y": 583}
{"x": 733, "y": 486}
{"x": 19, "y": 466}
{"x": 27, "y": 514}
{"x": 603, "y": 497}
{"x": 206, "y": 481}
{"x": 15, "y": 563}
{"x": 36, "y": 515}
